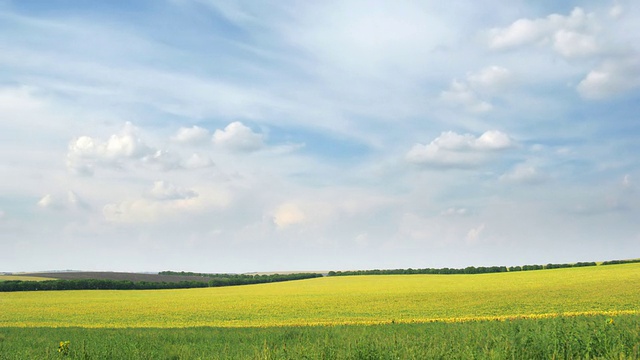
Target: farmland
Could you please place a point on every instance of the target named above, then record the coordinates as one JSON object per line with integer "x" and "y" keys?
{"x": 597, "y": 305}
{"x": 339, "y": 300}
{"x": 24, "y": 278}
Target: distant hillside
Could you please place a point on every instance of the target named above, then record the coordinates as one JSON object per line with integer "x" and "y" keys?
{"x": 117, "y": 276}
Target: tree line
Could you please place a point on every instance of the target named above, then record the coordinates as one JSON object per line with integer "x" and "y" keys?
{"x": 470, "y": 269}
{"x": 243, "y": 279}
{"x": 214, "y": 280}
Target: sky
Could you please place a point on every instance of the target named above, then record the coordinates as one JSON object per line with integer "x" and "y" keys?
{"x": 240, "y": 136}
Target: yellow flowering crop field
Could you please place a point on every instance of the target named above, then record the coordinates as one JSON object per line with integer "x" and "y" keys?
{"x": 611, "y": 290}
{"x": 23, "y": 278}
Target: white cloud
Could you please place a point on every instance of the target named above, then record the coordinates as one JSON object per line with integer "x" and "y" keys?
{"x": 238, "y": 137}
{"x": 162, "y": 160}
{"x": 626, "y": 181}
{"x": 580, "y": 35}
{"x": 166, "y": 203}
{"x": 473, "y": 92}
{"x": 460, "y": 93}
{"x": 288, "y": 214}
{"x": 163, "y": 190}
{"x": 70, "y": 201}
{"x": 451, "y": 149}
{"x": 193, "y": 135}
{"x": 523, "y": 173}
{"x": 85, "y": 152}
{"x": 574, "y": 44}
{"x": 571, "y": 36}
{"x": 197, "y": 161}
{"x": 126, "y": 144}
{"x": 491, "y": 78}
{"x": 520, "y": 32}
{"x": 46, "y": 201}
{"x": 492, "y": 140}
{"x": 611, "y": 78}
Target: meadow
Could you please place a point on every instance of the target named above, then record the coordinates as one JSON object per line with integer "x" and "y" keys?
{"x": 580, "y": 337}
{"x": 582, "y": 312}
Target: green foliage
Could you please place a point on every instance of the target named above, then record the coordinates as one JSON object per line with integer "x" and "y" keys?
{"x": 63, "y": 347}
{"x": 243, "y": 279}
{"x": 215, "y": 280}
{"x": 582, "y": 337}
{"x": 616, "y": 262}
{"x": 95, "y": 284}
{"x": 471, "y": 269}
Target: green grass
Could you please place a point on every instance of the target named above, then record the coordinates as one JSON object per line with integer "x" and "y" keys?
{"x": 582, "y": 337}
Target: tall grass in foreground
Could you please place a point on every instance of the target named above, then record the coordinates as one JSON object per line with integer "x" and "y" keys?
{"x": 581, "y": 337}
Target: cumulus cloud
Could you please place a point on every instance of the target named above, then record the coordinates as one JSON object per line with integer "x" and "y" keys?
{"x": 85, "y": 152}
{"x": 288, "y": 214}
{"x": 238, "y": 137}
{"x": 163, "y": 190}
{"x": 194, "y": 135}
{"x": 570, "y": 36}
{"x": 611, "y": 78}
{"x": 451, "y": 149}
{"x": 476, "y": 88}
{"x": 579, "y": 35}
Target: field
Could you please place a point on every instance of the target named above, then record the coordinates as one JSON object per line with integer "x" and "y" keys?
{"x": 582, "y": 337}
{"x": 79, "y": 275}
{"x": 24, "y": 278}
{"x": 582, "y": 312}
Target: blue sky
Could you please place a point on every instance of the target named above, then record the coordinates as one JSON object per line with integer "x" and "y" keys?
{"x": 245, "y": 136}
